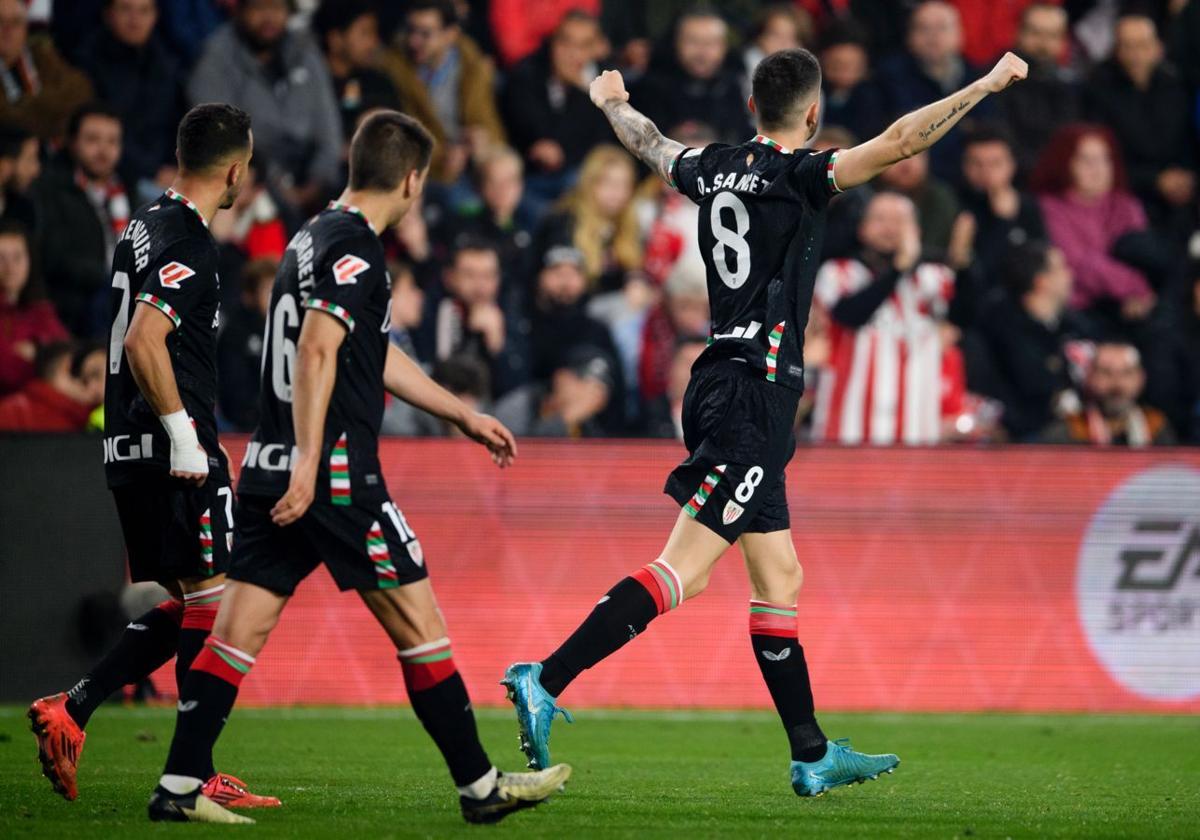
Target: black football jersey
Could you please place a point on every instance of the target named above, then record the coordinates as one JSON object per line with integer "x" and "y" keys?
{"x": 167, "y": 259}
{"x": 335, "y": 263}
{"x": 762, "y": 214}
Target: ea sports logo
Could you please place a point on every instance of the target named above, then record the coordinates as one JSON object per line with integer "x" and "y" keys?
{"x": 1138, "y": 586}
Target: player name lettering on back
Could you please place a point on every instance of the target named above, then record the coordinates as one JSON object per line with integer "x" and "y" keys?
{"x": 745, "y": 182}
{"x": 140, "y": 237}
{"x": 302, "y": 244}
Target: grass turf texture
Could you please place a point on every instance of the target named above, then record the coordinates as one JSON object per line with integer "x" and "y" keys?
{"x": 374, "y": 773}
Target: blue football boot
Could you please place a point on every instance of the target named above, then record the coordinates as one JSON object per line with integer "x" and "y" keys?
{"x": 839, "y": 766}
{"x": 535, "y": 710}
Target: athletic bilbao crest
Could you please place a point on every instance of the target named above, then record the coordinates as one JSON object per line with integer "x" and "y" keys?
{"x": 732, "y": 511}
{"x": 347, "y": 269}
{"x": 416, "y": 552}
{"x": 172, "y": 274}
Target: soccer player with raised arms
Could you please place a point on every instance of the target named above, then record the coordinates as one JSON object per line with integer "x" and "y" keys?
{"x": 167, "y": 472}
{"x": 312, "y": 490}
{"x": 762, "y": 207}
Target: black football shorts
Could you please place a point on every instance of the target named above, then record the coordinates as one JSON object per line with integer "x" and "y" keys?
{"x": 175, "y": 530}
{"x": 364, "y": 544}
{"x": 739, "y": 432}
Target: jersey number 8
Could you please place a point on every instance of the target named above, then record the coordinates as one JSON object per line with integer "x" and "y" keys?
{"x": 733, "y": 239}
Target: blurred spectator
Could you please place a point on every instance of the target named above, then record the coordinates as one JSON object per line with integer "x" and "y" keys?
{"x": 1000, "y": 216}
{"x": 408, "y": 307}
{"x": 40, "y": 89}
{"x": 52, "y": 401}
{"x": 695, "y": 82}
{"x": 27, "y": 319}
{"x": 252, "y": 229}
{"x": 137, "y": 75}
{"x": 1025, "y": 338}
{"x": 520, "y": 29}
{"x": 665, "y": 413}
{"x": 1081, "y": 187}
{"x": 89, "y": 367}
{"x": 278, "y": 76}
{"x": 990, "y": 28}
{"x": 1172, "y": 359}
{"x": 1149, "y": 110}
{"x": 936, "y": 203}
{"x": 464, "y": 376}
{"x": 575, "y": 402}
{"x": 469, "y": 321}
{"x": 502, "y": 218}
{"x": 889, "y": 335}
{"x": 777, "y": 26}
{"x": 848, "y": 95}
{"x": 547, "y": 108}
{"x": 187, "y": 25}
{"x": 683, "y": 315}
{"x": 1111, "y": 415}
{"x": 347, "y": 31}
{"x": 240, "y": 344}
{"x": 930, "y": 68}
{"x": 845, "y": 209}
{"x": 20, "y": 165}
{"x": 446, "y": 83}
{"x": 598, "y": 218}
{"x": 83, "y": 209}
{"x": 1050, "y": 96}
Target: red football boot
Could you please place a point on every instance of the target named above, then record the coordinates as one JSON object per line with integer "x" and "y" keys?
{"x": 230, "y": 792}
{"x": 60, "y": 742}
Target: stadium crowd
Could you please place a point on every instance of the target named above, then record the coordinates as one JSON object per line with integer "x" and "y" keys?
{"x": 1034, "y": 278}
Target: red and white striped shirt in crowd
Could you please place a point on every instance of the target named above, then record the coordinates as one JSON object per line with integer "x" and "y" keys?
{"x": 884, "y": 381}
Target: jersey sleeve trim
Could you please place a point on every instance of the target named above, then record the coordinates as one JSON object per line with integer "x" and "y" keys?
{"x": 830, "y": 175}
{"x": 333, "y": 309}
{"x": 162, "y": 306}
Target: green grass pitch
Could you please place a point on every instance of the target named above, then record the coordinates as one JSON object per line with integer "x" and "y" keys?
{"x": 366, "y": 773}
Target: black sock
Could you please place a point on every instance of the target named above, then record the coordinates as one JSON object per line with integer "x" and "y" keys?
{"x": 191, "y": 641}
{"x": 781, "y": 660}
{"x": 444, "y": 709}
{"x": 205, "y": 701}
{"x": 621, "y": 614}
{"x": 147, "y": 643}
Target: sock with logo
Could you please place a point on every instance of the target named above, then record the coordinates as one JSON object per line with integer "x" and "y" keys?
{"x": 199, "y": 613}
{"x": 147, "y": 643}
{"x": 205, "y": 700}
{"x": 439, "y": 700}
{"x": 781, "y": 660}
{"x": 619, "y": 616}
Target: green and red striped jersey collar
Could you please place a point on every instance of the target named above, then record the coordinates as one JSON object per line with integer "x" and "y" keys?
{"x": 353, "y": 211}
{"x": 186, "y": 202}
{"x": 770, "y": 144}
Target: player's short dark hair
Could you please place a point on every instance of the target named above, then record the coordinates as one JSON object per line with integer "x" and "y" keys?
{"x": 444, "y": 8}
{"x": 783, "y": 82}
{"x": 12, "y": 139}
{"x": 989, "y": 132}
{"x": 48, "y": 356}
{"x": 387, "y": 146}
{"x": 89, "y": 109}
{"x": 1022, "y": 264}
{"x": 338, "y": 16}
{"x": 210, "y": 133}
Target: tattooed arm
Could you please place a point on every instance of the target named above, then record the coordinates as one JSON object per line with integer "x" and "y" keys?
{"x": 915, "y": 132}
{"x": 635, "y": 131}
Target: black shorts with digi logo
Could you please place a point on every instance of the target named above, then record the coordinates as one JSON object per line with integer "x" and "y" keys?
{"x": 364, "y": 544}
{"x": 175, "y": 530}
{"x": 739, "y": 432}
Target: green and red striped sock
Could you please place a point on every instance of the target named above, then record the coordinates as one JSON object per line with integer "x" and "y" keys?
{"x": 205, "y": 700}
{"x": 439, "y": 700}
{"x": 619, "y": 616}
{"x": 199, "y": 613}
{"x": 781, "y": 660}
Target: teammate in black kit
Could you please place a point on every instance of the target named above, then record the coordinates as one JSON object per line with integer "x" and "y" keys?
{"x": 167, "y": 472}
{"x": 762, "y": 206}
{"x": 312, "y": 492}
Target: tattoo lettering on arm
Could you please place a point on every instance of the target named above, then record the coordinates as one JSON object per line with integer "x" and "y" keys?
{"x": 642, "y": 138}
{"x": 927, "y": 133}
